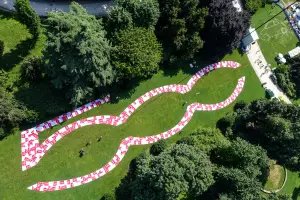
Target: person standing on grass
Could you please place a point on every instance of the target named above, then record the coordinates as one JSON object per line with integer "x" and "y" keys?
{"x": 99, "y": 139}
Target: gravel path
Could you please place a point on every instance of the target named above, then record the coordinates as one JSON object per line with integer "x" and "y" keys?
{"x": 259, "y": 64}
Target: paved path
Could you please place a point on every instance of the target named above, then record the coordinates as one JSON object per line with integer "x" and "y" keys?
{"x": 94, "y": 7}
{"x": 255, "y": 54}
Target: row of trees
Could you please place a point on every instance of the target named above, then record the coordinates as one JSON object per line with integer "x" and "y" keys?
{"x": 83, "y": 58}
{"x": 271, "y": 124}
{"x": 289, "y": 78}
{"x": 204, "y": 165}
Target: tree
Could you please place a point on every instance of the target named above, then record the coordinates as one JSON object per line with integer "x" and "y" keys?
{"x": 180, "y": 169}
{"x": 12, "y": 113}
{"x": 208, "y": 139}
{"x": 274, "y": 126}
{"x": 236, "y": 184}
{"x": 1, "y": 48}
{"x": 118, "y": 19}
{"x": 137, "y": 54}
{"x": 225, "y": 26}
{"x": 179, "y": 27}
{"x": 253, "y": 5}
{"x": 31, "y": 69}
{"x": 108, "y": 197}
{"x": 252, "y": 160}
{"x": 158, "y": 147}
{"x": 145, "y": 13}
{"x": 27, "y": 15}
{"x": 78, "y": 53}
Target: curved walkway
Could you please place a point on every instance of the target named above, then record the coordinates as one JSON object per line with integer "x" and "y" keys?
{"x": 278, "y": 190}
{"x": 32, "y": 151}
{"x": 42, "y": 7}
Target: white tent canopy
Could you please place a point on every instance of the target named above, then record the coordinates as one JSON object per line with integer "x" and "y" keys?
{"x": 294, "y": 52}
{"x": 251, "y": 37}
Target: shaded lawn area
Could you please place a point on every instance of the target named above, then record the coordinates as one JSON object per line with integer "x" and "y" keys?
{"x": 292, "y": 186}
{"x": 156, "y": 116}
{"x": 276, "y": 36}
{"x": 18, "y": 45}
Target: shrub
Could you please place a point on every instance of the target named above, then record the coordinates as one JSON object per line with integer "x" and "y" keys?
{"x": 31, "y": 69}
{"x": 158, "y": 147}
{"x": 28, "y": 16}
{"x": 1, "y": 48}
{"x": 108, "y": 197}
{"x": 226, "y": 122}
{"x": 186, "y": 140}
{"x": 240, "y": 105}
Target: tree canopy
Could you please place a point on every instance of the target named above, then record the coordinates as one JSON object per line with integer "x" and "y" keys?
{"x": 253, "y": 5}
{"x": 225, "y": 27}
{"x": 274, "y": 125}
{"x": 137, "y": 53}
{"x": 27, "y": 15}
{"x": 77, "y": 53}
{"x": 145, "y": 13}
{"x": 179, "y": 27}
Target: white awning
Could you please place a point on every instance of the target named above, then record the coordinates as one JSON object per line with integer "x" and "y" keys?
{"x": 251, "y": 37}
{"x": 294, "y": 52}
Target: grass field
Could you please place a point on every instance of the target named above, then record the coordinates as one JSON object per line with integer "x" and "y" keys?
{"x": 292, "y": 186}
{"x": 276, "y": 177}
{"x": 276, "y": 36}
{"x": 156, "y": 116}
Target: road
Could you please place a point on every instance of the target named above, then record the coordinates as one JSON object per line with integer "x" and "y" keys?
{"x": 94, "y": 7}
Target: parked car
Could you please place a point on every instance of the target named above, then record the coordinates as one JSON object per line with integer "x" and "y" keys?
{"x": 273, "y": 78}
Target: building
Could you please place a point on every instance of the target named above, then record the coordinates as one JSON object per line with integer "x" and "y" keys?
{"x": 251, "y": 38}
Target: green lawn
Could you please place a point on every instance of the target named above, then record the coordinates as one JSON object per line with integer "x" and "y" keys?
{"x": 157, "y": 115}
{"x": 276, "y": 177}
{"x": 276, "y": 36}
{"x": 292, "y": 186}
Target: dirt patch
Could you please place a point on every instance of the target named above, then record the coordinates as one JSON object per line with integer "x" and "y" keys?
{"x": 276, "y": 176}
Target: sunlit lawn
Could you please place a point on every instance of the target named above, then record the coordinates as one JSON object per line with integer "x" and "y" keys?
{"x": 276, "y": 36}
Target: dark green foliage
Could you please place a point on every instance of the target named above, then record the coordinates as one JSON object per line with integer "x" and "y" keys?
{"x": 179, "y": 27}
{"x": 240, "y": 105}
{"x": 108, "y": 197}
{"x": 253, "y": 5}
{"x": 137, "y": 53}
{"x": 275, "y": 126}
{"x": 12, "y": 113}
{"x": 208, "y": 139}
{"x": 186, "y": 140}
{"x": 278, "y": 197}
{"x": 78, "y": 54}
{"x": 158, "y": 147}
{"x": 144, "y": 13}
{"x": 31, "y": 69}
{"x": 179, "y": 169}
{"x": 27, "y": 16}
{"x": 225, "y": 26}
{"x": 252, "y": 160}
{"x": 118, "y": 19}
{"x": 236, "y": 184}
{"x": 226, "y": 122}
{"x": 1, "y": 48}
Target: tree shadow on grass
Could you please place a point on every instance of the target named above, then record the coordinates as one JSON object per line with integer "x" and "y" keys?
{"x": 44, "y": 99}
{"x": 296, "y": 193}
{"x": 9, "y": 60}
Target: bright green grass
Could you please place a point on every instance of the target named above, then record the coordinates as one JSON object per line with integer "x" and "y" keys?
{"x": 292, "y": 186}
{"x": 156, "y": 116}
{"x": 18, "y": 45}
{"x": 276, "y": 36}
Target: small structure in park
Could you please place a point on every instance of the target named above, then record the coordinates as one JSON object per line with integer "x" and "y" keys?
{"x": 251, "y": 38}
{"x": 294, "y": 52}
